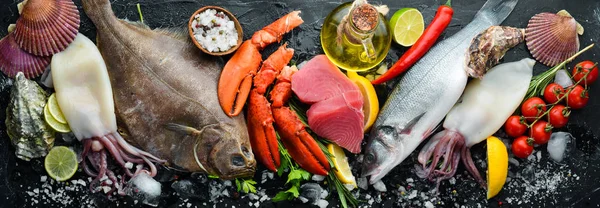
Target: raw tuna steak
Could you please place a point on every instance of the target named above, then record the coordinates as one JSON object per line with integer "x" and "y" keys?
{"x": 336, "y": 112}
{"x": 320, "y": 80}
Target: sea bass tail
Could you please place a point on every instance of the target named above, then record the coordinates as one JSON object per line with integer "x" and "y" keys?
{"x": 495, "y": 11}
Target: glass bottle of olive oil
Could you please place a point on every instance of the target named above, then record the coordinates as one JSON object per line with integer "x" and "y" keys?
{"x": 355, "y": 38}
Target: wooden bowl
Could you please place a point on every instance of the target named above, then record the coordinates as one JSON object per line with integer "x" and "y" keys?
{"x": 238, "y": 27}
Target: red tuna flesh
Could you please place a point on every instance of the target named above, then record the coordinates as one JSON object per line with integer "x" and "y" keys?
{"x": 339, "y": 119}
{"x": 319, "y": 80}
{"x": 336, "y": 112}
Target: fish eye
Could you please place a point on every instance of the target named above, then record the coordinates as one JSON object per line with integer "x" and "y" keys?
{"x": 237, "y": 160}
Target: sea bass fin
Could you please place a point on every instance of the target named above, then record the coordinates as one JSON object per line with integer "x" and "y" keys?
{"x": 137, "y": 24}
{"x": 185, "y": 130}
{"x": 180, "y": 34}
{"x": 495, "y": 11}
{"x": 408, "y": 127}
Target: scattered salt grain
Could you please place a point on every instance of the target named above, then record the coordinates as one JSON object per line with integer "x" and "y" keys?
{"x": 318, "y": 178}
{"x": 362, "y": 183}
{"x": 410, "y": 180}
{"x": 43, "y": 179}
{"x": 413, "y": 194}
{"x": 380, "y": 186}
{"x": 322, "y": 203}
{"x": 428, "y": 204}
{"x": 128, "y": 165}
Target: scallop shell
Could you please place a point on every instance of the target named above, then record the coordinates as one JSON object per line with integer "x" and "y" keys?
{"x": 47, "y": 27}
{"x": 552, "y": 38}
{"x": 14, "y": 59}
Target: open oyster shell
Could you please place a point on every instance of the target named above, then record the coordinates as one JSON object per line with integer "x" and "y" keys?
{"x": 25, "y": 125}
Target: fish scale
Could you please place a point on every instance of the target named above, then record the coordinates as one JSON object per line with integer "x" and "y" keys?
{"x": 425, "y": 94}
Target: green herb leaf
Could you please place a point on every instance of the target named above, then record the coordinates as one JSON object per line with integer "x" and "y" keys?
{"x": 282, "y": 196}
{"x": 294, "y": 175}
{"x": 212, "y": 176}
{"x": 247, "y": 186}
{"x": 238, "y": 185}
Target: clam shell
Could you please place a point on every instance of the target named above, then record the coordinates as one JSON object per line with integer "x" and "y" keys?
{"x": 47, "y": 27}
{"x": 552, "y": 38}
{"x": 14, "y": 59}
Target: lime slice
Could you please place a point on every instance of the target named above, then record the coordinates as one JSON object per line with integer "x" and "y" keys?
{"x": 53, "y": 123}
{"x": 497, "y": 157}
{"x": 340, "y": 161}
{"x": 55, "y": 109}
{"x": 61, "y": 163}
{"x": 407, "y": 26}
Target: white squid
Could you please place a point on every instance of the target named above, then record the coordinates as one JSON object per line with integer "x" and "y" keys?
{"x": 85, "y": 97}
{"x": 482, "y": 110}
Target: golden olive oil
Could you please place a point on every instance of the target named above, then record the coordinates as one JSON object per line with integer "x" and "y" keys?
{"x": 351, "y": 48}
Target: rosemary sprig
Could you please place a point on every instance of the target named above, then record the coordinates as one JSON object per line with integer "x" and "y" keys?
{"x": 540, "y": 81}
{"x": 140, "y": 12}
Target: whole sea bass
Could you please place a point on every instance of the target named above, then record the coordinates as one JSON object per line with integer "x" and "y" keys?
{"x": 425, "y": 94}
{"x": 165, "y": 93}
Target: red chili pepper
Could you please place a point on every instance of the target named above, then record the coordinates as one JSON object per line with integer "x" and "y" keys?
{"x": 430, "y": 35}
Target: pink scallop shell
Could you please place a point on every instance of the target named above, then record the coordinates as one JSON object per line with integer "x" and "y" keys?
{"x": 13, "y": 59}
{"x": 47, "y": 27}
{"x": 552, "y": 38}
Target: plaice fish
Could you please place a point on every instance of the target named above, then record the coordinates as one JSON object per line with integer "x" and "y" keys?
{"x": 165, "y": 93}
{"x": 422, "y": 98}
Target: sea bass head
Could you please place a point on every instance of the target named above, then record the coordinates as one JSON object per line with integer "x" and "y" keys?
{"x": 226, "y": 154}
{"x": 382, "y": 151}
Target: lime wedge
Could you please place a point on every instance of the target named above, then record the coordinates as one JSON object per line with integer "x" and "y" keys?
{"x": 407, "y": 26}
{"x": 61, "y": 163}
{"x": 55, "y": 109}
{"x": 53, "y": 123}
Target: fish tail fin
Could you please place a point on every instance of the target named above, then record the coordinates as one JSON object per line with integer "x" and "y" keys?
{"x": 98, "y": 10}
{"x": 495, "y": 11}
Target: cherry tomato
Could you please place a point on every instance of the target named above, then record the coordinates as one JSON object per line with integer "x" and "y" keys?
{"x": 578, "y": 97}
{"x": 532, "y": 108}
{"x": 522, "y": 147}
{"x": 559, "y": 116}
{"x": 553, "y": 92}
{"x": 583, "y": 68}
{"x": 541, "y": 132}
{"x": 515, "y": 126}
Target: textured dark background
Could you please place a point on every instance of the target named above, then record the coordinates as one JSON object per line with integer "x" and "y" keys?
{"x": 17, "y": 177}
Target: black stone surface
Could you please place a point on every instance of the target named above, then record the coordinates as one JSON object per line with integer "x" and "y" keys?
{"x": 18, "y": 177}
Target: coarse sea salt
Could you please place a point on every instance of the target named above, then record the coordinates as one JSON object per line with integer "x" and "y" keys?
{"x": 214, "y": 31}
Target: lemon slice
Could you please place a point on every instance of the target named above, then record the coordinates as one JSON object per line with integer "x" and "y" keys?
{"x": 53, "y": 123}
{"x": 55, "y": 109}
{"x": 497, "y": 157}
{"x": 370, "y": 101}
{"x": 61, "y": 163}
{"x": 340, "y": 161}
{"x": 407, "y": 26}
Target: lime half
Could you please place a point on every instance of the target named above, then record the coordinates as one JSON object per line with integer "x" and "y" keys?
{"x": 407, "y": 26}
{"x": 55, "y": 109}
{"x": 61, "y": 163}
{"x": 53, "y": 123}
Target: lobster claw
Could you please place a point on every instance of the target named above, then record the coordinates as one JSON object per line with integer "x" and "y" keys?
{"x": 236, "y": 78}
{"x": 300, "y": 144}
{"x": 260, "y": 128}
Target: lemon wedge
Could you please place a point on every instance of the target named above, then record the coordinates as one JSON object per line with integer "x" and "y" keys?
{"x": 370, "y": 101}
{"x": 497, "y": 157}
{"x": 342, "y": 168}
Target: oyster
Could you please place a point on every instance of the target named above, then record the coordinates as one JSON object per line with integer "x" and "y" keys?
{"x": 28, "y": 132}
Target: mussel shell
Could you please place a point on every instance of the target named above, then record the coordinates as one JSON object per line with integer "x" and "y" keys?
{"x": 552, "y": 38}
{"x": 47, "y": 27}
{"x": 14, "y": 59}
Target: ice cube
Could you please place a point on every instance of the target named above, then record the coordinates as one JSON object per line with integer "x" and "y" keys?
{"x": 144, "y": 188}
{"x": 318, "y": 178}
{"x": 362, "y": 183}
{"x": 380, "y": 186}
{"x": 559, "y": 144}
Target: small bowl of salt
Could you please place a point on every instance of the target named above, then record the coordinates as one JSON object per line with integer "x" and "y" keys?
{"x": 215, "y": 30}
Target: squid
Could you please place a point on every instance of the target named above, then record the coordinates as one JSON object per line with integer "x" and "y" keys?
{"x": 84, "y": 95}
{"x": 482, "y": 110}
